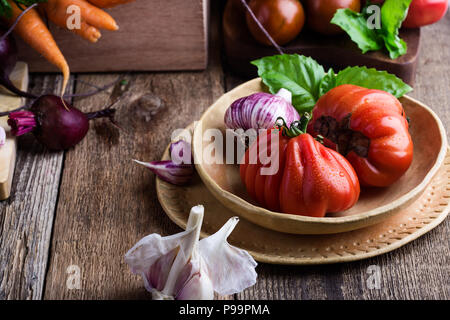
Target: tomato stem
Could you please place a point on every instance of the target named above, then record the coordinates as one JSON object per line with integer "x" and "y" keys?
{"x": 297, "y": 127}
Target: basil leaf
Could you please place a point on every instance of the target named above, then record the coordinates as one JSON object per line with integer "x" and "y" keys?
{"x": 373, "y": 79}
{"x": 355, "y": 24}
{"x": 393, "y": 12}
{"x": 299, "y": 74}
{"x": 391, "y": 15}
{"x": 328, "y": 82}
{"x": 307, "y": 80}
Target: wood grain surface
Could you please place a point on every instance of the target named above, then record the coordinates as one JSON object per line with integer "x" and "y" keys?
{"x": 26, "y": 218}
{"x": 86, "y": 207}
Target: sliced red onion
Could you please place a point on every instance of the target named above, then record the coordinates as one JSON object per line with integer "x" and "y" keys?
{"x": 261, "y": 110}
{"x": 2, "y": 136}
{"x": 167, "y": 170}
{"x": 179, "y": 170}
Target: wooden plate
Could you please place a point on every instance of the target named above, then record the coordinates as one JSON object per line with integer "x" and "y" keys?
{"x": 270, "y": 246}
{"x": 374, "y": 205}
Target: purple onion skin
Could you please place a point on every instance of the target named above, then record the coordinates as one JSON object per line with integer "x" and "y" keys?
{"x": 167, "y": 170}
{"x": 58, "y": 128}
{"x": 176, "y": 171}
{"x": 259, "y": 111}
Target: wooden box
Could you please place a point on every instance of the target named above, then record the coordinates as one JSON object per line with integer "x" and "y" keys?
{"x": 337, "y": 52}
{"x": 154, "y": 35}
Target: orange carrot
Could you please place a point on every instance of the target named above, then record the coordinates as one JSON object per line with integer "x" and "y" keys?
{"x": 108, "y": 3}
{"x": 33, "y": 31}
{"x": 91, "y": 17}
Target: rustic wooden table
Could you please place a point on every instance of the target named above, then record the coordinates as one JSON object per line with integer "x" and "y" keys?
{"x": 86, "y": 207}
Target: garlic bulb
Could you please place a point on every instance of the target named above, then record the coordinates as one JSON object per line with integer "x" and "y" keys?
{"x": 261, "y": 110}
{"x": 182, "y": 267}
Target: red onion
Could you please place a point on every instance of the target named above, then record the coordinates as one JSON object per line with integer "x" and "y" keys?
{"x": 167, "y": 170}
{"x": 260, "y": 111}
{"x": 177, "y": 171}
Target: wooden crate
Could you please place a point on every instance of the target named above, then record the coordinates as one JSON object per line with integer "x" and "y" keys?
{"x": 337, "y": 52}
{"x": 154, "y": 35}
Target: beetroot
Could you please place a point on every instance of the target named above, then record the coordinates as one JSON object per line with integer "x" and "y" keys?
{"x": 55, "y": 124}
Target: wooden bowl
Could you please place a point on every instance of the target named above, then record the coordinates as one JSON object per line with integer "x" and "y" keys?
{"x": 374, "y": 205}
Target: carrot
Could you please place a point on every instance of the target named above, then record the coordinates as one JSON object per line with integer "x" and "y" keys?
{"x": 33, "y": 31}
{"x": 108, "y": 3}
{"x": 92, "y": 18}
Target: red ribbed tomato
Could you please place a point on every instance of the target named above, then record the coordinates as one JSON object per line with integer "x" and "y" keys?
{"x": 311, "y": 179}
{"x": 370, "y": 128}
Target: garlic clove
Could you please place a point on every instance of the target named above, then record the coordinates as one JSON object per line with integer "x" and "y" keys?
{"x": 159, "y": 271}
{"x": 149, "y": 249}
{"x": 183, "y": 267}
{"x": 194, "y": 283}
{"x": 231, "y": 269}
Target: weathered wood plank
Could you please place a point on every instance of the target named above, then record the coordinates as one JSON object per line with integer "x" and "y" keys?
{"x": 418, "y": 270}
{"x": 107, "y": 202}
{"x": 26, "y": 218}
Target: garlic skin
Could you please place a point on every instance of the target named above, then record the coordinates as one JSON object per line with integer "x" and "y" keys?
{"x": 261, "y": 110}
{"x": 182, "y": 267}
{"x": 216, "y": 249}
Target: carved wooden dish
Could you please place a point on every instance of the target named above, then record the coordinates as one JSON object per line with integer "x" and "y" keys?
{"x": 407, "y": 224}
{"x": 374, "y": 205}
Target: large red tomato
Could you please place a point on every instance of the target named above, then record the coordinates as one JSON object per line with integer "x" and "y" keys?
{"x": 370, "y": 129}
{"x": 311, "y": 179}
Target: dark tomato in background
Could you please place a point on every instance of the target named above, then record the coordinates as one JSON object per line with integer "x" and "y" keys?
{"x": 283, "y": 20}
{"x": 320, "y": 12}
